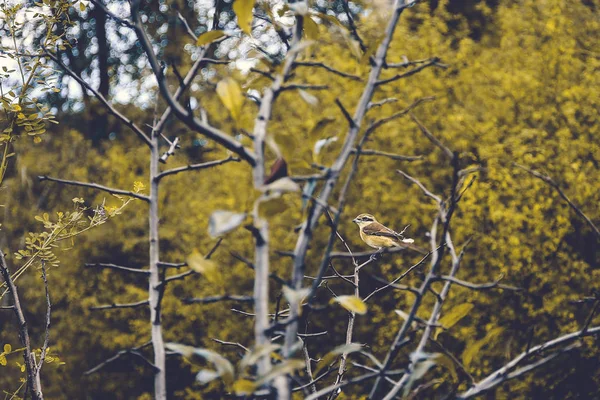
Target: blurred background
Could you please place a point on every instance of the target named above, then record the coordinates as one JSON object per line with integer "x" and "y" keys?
{"x": 521, "y": 86}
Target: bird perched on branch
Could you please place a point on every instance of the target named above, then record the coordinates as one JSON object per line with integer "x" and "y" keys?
{"x": 380, "y": 237}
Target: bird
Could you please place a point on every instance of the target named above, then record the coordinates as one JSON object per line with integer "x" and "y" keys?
{"x": 381, "y": 237}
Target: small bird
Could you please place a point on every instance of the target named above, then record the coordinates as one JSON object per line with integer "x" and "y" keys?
{"x": 379, "y": 237}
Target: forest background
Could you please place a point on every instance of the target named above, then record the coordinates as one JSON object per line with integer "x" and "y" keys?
{"x": 519, "y": 86}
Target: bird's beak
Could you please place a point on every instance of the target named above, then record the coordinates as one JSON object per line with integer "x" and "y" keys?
{"x": 355, "y": 220}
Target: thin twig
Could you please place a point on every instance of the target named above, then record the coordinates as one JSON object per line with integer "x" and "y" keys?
{"x": 326, "y": 67}
{"x": 119, "y": 268}
{"x": 133, "y": 351}
{"x": 562, "y": 194}
{"x": 215, "y": 299}
{"x": 399, "y": 157}
{"x": 194, "y": 167}
{"x": 114, "y": 306}
{"x": 94, "y": 186}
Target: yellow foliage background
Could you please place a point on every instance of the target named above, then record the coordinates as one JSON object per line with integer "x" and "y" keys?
{"x": 521, "y": 87}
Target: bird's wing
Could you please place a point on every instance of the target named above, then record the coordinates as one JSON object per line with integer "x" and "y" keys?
{"x": 376, "y": 229}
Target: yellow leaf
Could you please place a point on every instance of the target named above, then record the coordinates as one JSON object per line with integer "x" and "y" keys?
{"x": 311, "y": 29}
{"x": 201, "y": 265}
{"x": 351, "y": 303}
{"x": 7, "y": 348}
{"x": 453, "y": 316}
{"x": 231, "y": 96}
{"x": 243, "y": 11}
{"x": 333, "y": 354}
{"x": 472, "y": 350}
{"x": 243, "y": 387}
{"x": 445, "y": 361}
{"x": 209, "y": 37}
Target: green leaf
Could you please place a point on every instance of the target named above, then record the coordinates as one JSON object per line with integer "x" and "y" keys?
{"x": 351, "y": 303}
{"x": 453, "y": 316}
{"x": 243, "y": 11}
{"x": 231, "y": 96}
{"x": 209, "y": 37}
{"x": 328, "y": 358}
{"x": 221, "y": 222}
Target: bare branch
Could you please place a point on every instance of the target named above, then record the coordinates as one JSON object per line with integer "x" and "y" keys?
{"x": 231, "y": 344}
{"x": 194, "y": 167}
{"x": 119, "y": 268}
{"x": 562, "y": 194}
{"x": 397, "y": 115}
{"x": 421, "y": 186}
{"x": 94, "y": 186}
{"x": 406, "y": 63}
{"x": 480, "y": 286}
{"x": 33, "y": 379}
{"x": 215, "y": 299}
{"x": 502, "y": 374}
{"x": 44, "y": 349}
{"x": 433, "y": 62}
{"x": 119, "y": 20}
{"x": 339, "y": 385}
{"x": 328, "y": 68}
{"x": 114, "y": 306}
{"x": 398, "y": 279}
{"x": 129, "y": 123}
{"x": 303, "y": 86}
{"x": 133, "y": 351}
{"x": 393, "y": 156}
{"x": 345, "y": 112}
{"x": 382, "y": 102}
{"x": 172, "y": 146}
{"x": 447, "y": 152}
{"x": 182, "y": 113}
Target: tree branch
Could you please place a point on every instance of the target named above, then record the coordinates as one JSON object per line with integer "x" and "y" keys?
{"x": 114, "y": 306}
{"x": 133, "y": 351}
{"x": 502, "y": 374}
{"x": 552, "y": 183}
{"x": 194, "y": 167}
{"x": 434, "y": 61}
{"x": 182, "y": 113}
{"x": 33, "y": 379}
{"x": 94, "y": 186}
{"x": 215, "y": 299}
{"x": 328, "y": 68}
{"x": 129, "y": 123}
{"x": 119, "y": 268}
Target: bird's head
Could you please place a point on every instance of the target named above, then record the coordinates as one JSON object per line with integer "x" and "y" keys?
{"x": 364, "y": 220}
